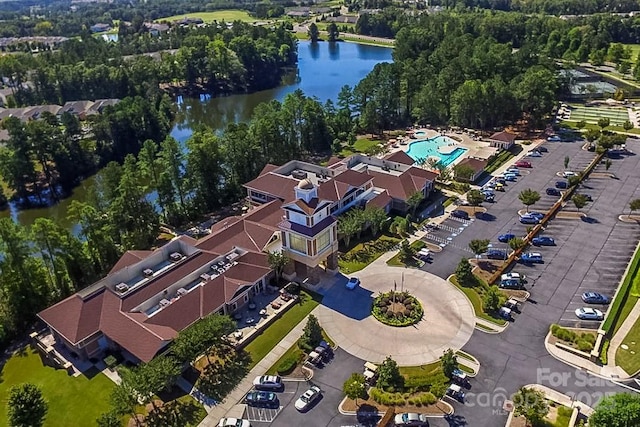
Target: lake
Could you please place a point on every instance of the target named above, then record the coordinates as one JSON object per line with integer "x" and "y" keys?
{"x": 323, "y": 69}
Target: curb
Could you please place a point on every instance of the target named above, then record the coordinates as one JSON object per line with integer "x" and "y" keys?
{"x": 343, "y": 412}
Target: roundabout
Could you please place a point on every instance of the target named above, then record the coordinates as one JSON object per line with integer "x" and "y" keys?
{"x": 447, "y": 321}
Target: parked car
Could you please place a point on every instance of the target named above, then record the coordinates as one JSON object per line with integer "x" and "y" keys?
{"x": 554, "y": 138}
{"x": 505, "y": 313}
{"x": 513, "y": 276}
{"x": 588, "y": 313}
{"x": 456, "y": 392}
{"x": 262, "y": 399}
{"x": 510, "y": 177}
{"x": 459, "y": 377}
{"x": 410, "y": 419}
{"x": 595, "y": 298}
{"x": 496, "y": 254}
{"x": 553, "y": 192}
{"x": 535, "y": 214}
{"x": 534, "y": 153}
{"x": 512, "y": 304}
{"x": 514, "y": 171}
{"x": 542, "y": 149}
{"x": 307, "y": 398}
{"x": 543, "y": 241}
{"x": 532, "y": 257}
{"x": 460, "y": 214}
{"x": 528, "y": 219}
{"x": 567, "y": 174}
{"x": 268, "y": 382}
{"x": 511, "y": 284}
{"x": 504, "y": 238}
{"x": 563, "y": 185}
{"x": 500, "y": 186}
{"x": 523, "y": 164}
{"x": 353, "y": 283}
{"x": 234, "y": 422}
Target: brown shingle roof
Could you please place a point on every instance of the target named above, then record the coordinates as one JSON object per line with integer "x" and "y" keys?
{"x": 129, "y": 258}
{"x": 476, "y": 164}
{"x": 268, "y": 168}
{"x": 163, "y": 281}
{"x": 503, "y": 136}
{"x": 381, "y": 200}
{"x": 404, "y": 185}
{"x": 275, "y": 185}
{"x": 333, "y": 160}
{"x": 181, "y": 313}
{"x": 137, "y": 339}
{"x": 75, "y": 318}
{"x": 400, "y": 157}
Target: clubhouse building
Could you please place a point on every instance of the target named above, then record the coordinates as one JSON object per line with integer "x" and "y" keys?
{"x": 150, "y": 296}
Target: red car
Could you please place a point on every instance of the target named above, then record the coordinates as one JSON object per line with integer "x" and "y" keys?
{"x": 523, "y": 164}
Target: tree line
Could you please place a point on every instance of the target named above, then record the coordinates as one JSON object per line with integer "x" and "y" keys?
{"x": 215, "y": 59}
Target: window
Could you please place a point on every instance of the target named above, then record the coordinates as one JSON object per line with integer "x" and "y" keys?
{"x": 297, "y": 243}
{"x": 323, "y": 241}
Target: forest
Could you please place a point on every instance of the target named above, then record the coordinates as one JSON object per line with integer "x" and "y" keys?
{"x": 215, "y": 60}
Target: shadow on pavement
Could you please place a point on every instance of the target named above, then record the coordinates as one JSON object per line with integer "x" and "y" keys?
{"x": 355, "y": 304}
{"x": 485, "y": 216}
{"x": 456, "y": 420}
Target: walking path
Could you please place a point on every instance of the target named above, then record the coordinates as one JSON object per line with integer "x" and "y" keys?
{"x": 619, "y": 337}
{"x": 230, "y": 407}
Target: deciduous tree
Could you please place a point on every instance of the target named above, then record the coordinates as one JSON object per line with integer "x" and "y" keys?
{"x": 528, "y": 197}
{"x": 26, "y": 406}
{"x": 389, "y": 376}
{"x": 621, "y": 409}
{"x": 531, "y": 404}
{"x": 355, "y": 387}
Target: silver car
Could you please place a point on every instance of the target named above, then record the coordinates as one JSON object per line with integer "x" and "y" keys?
{"x": 268, "y": 382}
{"x": 307, "y": 398}
{"x": 588, "y": 313}
{"x": 410, "y": 419}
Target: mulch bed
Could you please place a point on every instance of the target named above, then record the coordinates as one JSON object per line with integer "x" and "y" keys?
{"x": 570, "y": 215}
{"x": 437, "y": 408}
{"x": 472, "y": 210}
{"x": 485, "y": 268}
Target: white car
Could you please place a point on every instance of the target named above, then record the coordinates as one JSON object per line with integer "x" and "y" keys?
{"x": 410, "y": 419}
{"x": 554, "y": 138}
{"x": 534, "y": 154}
{"x": 307, "y": 398}
{"x": 587, "y": 313}
{"x": 567, "y": 174}
{"x": 512, "y": 276}
{"x": 268, "y": 382}
{"x": 234, "y": 422}
{"x": 353, "y": 283}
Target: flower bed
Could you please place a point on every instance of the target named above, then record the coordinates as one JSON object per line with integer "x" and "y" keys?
{"x": 397, "y": 309}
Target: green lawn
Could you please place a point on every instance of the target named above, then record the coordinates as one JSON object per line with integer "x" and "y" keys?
{"x": 397, "y": 262}
{"x": 625, "y": 298}
{"x": 364, "y": 252}
{"x": 72, "y": 401}
{"x": 362, "y": 145}
{"x": 219, "y": 15}
{"x": 629, "y": 359}
{"x": 265, "y": 342}
{"x": 476, "y": 300}
{"x": 618, "y": 129}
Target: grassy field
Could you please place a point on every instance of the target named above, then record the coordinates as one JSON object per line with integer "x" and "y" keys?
{"x": 635, "y": 50}
{"x": 364, "y": 252}
{"x": 72, "y": 401}
{"x": 619, "y": 129}
{"x": 362, "y": 145}
{"x": 617, "y": 116}
{"x": 265, "y": 342}
{"x": 629, "y": 359}
{"x": 219, "y": 15}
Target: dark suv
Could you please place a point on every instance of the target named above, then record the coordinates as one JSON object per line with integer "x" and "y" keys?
{"x": 496, "y": 254}
{"x": 460, "y": 214}
{"x": 553, "y": 192}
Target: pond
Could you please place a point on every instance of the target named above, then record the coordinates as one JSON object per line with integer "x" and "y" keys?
{"x": 323, "y": 69}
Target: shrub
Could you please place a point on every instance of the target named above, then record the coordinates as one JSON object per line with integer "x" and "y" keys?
{"x": 110, "y": 361}
{"x": 287, "y": 365}
{"x": 427, "y": 398}
{"x": 584, "y": 345}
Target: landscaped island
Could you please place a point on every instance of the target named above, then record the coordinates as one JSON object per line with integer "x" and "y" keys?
{"x": 397, "y": 309}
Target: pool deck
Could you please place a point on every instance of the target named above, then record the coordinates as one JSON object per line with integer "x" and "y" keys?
{"x": 476, "y": 149}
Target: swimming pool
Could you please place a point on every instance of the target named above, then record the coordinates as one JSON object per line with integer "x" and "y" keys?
{"x": 426, "y": 148}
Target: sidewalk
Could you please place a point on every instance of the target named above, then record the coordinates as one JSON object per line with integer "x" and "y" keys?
{"x": 619, "y": 337}
{"x": 230, "y": 404}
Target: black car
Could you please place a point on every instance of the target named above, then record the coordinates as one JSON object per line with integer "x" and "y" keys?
{"x": 543, "y": 149}
{"x": 460, "y": 214}
{"x": 496, "y": 254}
{"x": 562, "y": 184}
{"x": 553, "y": 192}
{"x": 262, "y": 399}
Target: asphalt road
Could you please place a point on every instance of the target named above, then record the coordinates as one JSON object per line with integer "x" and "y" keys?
{"x": 589, "y": 256}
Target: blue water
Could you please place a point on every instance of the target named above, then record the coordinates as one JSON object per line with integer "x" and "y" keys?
{"x": 323, "y": 68}
{"x": 426, "y": 148}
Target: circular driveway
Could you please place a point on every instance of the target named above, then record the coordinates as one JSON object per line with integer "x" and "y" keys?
{"x": 448, "y": 320}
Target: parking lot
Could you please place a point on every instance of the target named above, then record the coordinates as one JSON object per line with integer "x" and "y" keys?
{"x": 590, "y": 254}
{"x": 323, "y": 413}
